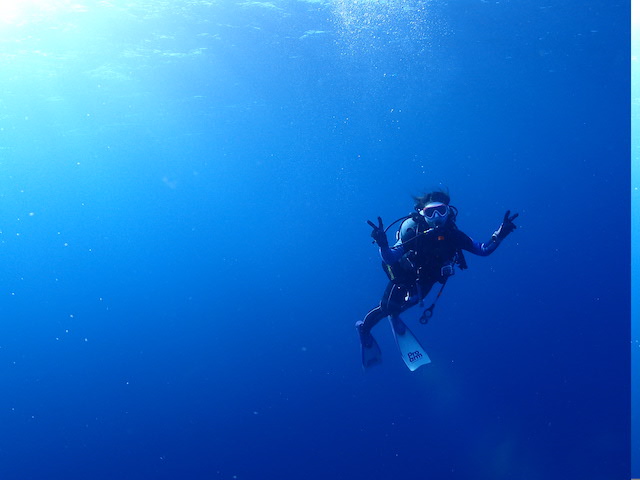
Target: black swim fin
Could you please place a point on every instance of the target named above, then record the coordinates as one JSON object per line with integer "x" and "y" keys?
{"x": 371, "y": 353}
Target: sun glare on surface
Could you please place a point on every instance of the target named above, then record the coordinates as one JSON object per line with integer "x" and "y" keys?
{"x": 19, "y": 12}
{"x": 8, "y": 11}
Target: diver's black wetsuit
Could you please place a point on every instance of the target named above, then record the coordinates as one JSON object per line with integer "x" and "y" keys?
{"x": 428, "y": 250}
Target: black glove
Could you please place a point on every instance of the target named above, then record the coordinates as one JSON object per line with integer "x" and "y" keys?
{"x": 506, "y": 227}
{"x": 378, "y": 234}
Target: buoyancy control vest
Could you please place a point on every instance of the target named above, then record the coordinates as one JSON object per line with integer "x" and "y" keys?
{"x": 429, "y": 253}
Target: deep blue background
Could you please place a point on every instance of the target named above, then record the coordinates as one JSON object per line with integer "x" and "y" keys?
{"x": 184, "y": 194}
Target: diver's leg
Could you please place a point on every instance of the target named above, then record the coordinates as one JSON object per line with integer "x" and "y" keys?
{"x": 394, "y": 299}
{"x": 391, "y": 300}
{"x": 406, "y": 298}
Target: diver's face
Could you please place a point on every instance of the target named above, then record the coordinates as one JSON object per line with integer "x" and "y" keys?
{"x": 435, "y": 213}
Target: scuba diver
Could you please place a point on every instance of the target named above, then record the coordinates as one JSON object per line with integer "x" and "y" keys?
{"x": 429, "y": 245}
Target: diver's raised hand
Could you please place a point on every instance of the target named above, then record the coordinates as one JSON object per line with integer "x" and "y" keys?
{"x": 506, "y": 227}
{"x": 378, "y": 234}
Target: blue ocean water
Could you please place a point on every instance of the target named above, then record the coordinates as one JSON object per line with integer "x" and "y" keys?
{"x": 635, "y": 238}
{"x": 184, "y": 192}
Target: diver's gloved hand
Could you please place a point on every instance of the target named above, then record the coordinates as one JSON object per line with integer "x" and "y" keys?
{"x": 506, "y": 227}
{"x": 378, "y": 234}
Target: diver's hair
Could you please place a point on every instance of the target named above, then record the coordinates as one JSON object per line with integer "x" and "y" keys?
{"x": 440, "y": 195}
